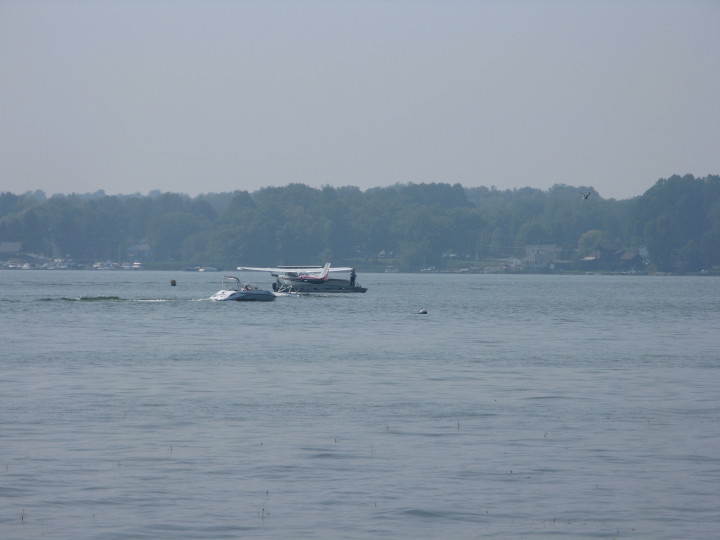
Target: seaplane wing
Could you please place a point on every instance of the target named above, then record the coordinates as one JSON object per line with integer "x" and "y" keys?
{"x": 341, "y": 269}
{"x": 314, "y": 271}
{"x": 261, "y": 269}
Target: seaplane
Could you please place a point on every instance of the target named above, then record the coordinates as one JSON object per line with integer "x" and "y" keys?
{"x": 307, "y": 275}
{"x": 310, "y": 279}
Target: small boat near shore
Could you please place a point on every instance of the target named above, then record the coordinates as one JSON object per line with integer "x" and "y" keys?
{"x": 233, "y": 289}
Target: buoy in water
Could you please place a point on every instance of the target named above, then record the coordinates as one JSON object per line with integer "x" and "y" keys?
{"x": 172, "y": 283}
{"x": 422, "y": 311}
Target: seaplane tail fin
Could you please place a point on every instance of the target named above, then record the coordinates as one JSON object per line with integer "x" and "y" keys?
{"x": 325, "y": 272}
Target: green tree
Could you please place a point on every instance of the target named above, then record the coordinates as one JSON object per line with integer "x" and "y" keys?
{"x": 167, "y": 232}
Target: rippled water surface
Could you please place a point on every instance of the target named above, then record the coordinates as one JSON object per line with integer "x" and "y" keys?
{"x": 519, "y": 406}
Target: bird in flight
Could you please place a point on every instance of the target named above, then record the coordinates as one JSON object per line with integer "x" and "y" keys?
{"x": 588, "y": 195}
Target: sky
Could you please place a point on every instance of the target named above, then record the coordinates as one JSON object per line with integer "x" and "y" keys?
{"x": 209, "y": 96}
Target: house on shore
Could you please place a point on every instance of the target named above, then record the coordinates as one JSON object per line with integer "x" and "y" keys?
{"x": 611, "y": 259}
{"x": 10, "y": 248}
{"x": 544, "y": 258}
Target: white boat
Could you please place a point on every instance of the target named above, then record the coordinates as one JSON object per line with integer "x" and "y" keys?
{"x": 311, "y": 279}
{"x": 242, "y": 292}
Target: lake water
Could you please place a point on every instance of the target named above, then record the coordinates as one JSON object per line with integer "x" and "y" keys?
{"x": 518, "y": 407}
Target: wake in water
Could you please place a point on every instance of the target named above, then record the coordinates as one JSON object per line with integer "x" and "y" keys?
{"x": 84, "y": 299}
{"x": 112, "y": 299}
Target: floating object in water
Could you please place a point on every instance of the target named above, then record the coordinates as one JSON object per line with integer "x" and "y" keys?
{"x": 422, "y": 311}
{"x": 311, "y": 279}
{"x": 172, "y": 283}
{"x": 234, "y": 290}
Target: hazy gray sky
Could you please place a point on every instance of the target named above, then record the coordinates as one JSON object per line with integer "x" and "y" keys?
{"x": 207, "y": 96}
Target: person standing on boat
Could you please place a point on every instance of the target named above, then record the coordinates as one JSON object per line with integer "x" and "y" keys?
{"x": 352, "y": 277}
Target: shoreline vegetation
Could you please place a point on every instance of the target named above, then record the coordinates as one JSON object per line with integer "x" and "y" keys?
{"x": 672, "y": 229}
{"x": 14, "y": 266}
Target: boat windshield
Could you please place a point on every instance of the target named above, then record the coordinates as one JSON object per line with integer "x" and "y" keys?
{"x": 231, "y": 283}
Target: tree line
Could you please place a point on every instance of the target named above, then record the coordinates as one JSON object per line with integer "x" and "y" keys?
{"x": 415, "y": 225}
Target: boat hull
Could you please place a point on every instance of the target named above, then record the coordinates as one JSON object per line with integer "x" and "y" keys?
{"x": 243, "y": 296}
{"x": 327, "y": 286}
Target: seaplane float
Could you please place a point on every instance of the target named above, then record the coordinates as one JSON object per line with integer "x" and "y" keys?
{"x": 310, "y": 279}
{"x": 233, "y": 289}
